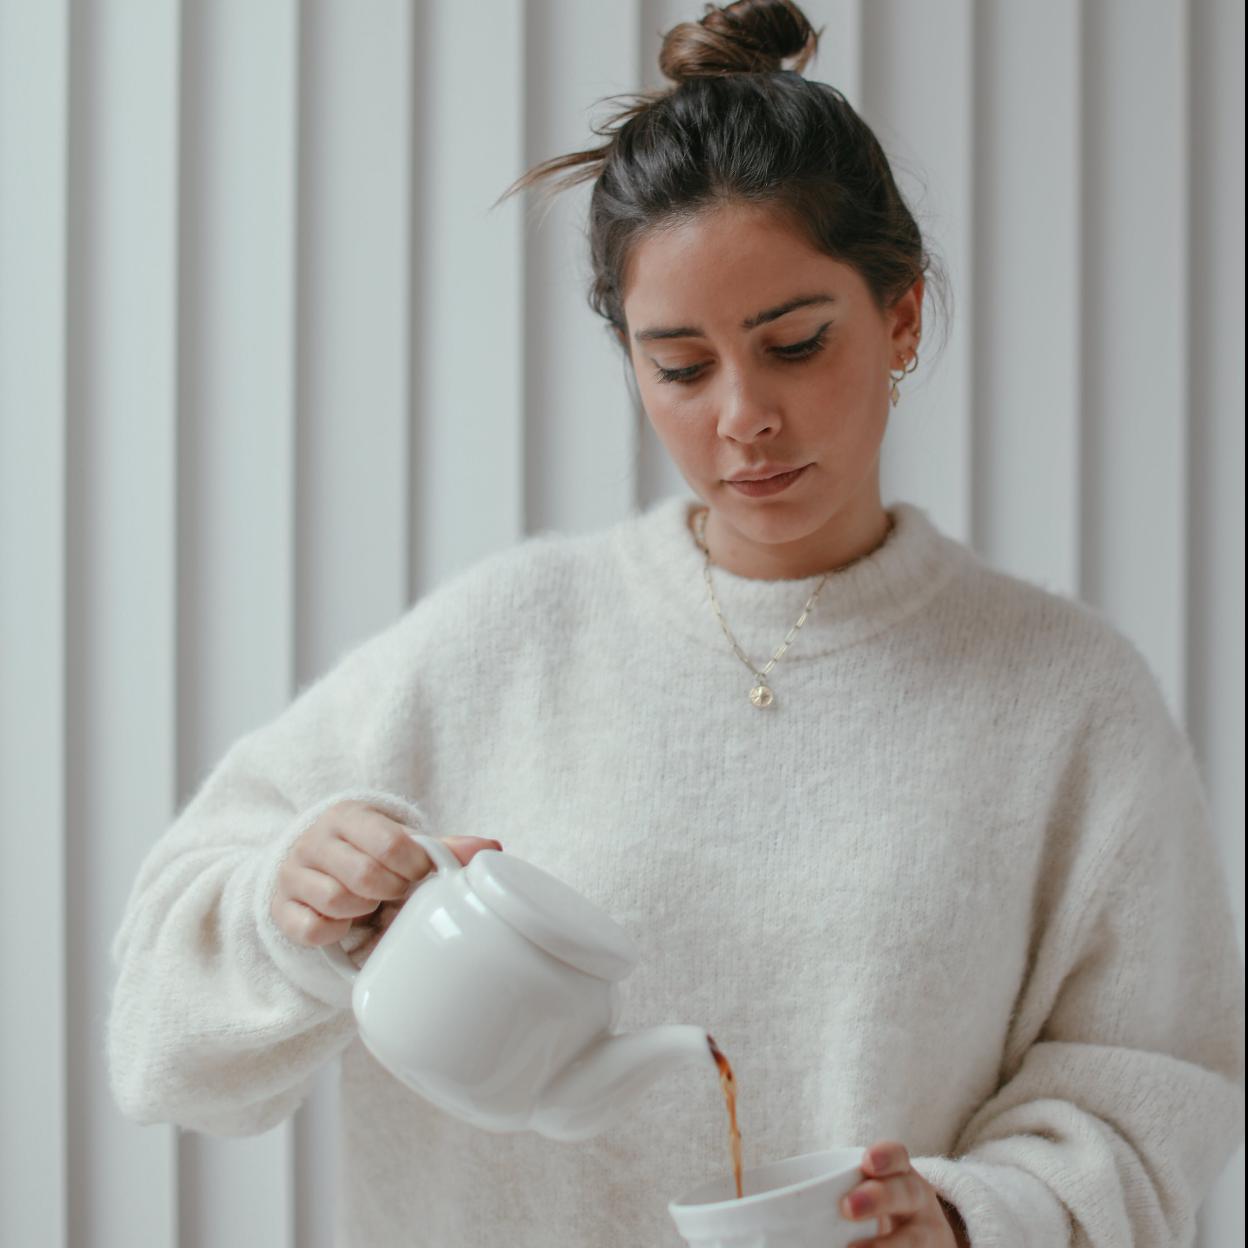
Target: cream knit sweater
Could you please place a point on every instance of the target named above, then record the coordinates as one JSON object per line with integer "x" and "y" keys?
{"x": 956, "y": 887}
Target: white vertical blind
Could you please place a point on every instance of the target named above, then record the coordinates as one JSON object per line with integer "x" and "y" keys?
{"x": 347, "y": 457}
{"x": 1135, "y": 325}
{"x": 1213, "y": 422}
{"x": 271, "y": 367}
{"x": 1026, "y": 324}
{"x": 34, "y": 139}
{"x": 236, "y": 480}
{"x": 470, "y": 332}
{"x": 917, "y": 95}
{"x": 120, "y": 506}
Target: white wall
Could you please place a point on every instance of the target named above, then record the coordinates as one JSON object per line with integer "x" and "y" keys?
{"x": 270, "y": 369}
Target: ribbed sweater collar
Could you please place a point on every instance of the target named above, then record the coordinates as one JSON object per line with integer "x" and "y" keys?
{"x": 663, "y": 563}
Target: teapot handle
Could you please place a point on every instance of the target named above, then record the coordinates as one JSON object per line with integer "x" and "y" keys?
{"x": 444, "y": 862}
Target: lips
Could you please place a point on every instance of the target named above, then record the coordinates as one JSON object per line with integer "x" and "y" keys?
{"x": 769, "y": 485}
{"x": 764, "y": 473}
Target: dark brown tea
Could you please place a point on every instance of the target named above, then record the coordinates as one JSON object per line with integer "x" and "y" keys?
{"x": 729, "y": 1085}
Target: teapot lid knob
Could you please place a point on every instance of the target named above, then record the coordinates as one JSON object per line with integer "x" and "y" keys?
{"x": 553, "y": 915}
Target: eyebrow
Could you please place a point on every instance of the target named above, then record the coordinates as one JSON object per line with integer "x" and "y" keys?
{"x": 750, "y": 322}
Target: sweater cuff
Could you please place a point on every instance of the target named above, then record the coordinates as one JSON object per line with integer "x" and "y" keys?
{"x": 306, "y": 965}
{"x": 1002, "y": 1206}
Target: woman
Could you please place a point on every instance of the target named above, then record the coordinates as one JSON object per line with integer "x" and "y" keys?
{"x": 937, "y": 874}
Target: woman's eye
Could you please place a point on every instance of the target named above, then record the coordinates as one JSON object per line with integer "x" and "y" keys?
{"x": 798, "y": 351}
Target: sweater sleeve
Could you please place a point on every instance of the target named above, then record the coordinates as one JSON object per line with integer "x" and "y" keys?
{"x": 217, "y": 1022}
{"x": 1122, "y": 1110}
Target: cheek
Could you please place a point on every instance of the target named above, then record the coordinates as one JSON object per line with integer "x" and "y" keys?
{"x": 849, "y": 372}
{"x": 688, "y": 433}
{"x": 677, "y": 425}
{"x": 852, "y": 386}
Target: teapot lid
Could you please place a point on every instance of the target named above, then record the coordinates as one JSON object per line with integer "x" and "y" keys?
{"x": 554, "y": 916}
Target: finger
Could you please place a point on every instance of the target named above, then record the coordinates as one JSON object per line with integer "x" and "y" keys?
{"x": 387, "y": 841}
{"x": 328, "y": 895}
{"x": 900, "y": 1195}
{"x": 464, "y": 847}
{"x": 307, "y": 926}
{"x": 886, "y": 1157}
{"x": 883, "y": 1227}
{"x": 360, "y": 873}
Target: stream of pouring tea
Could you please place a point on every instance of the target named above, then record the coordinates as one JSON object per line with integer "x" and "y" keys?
{"x": 729, "y": 1085}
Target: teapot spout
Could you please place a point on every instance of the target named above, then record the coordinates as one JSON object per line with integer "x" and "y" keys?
{"x": 599, "y": 1083}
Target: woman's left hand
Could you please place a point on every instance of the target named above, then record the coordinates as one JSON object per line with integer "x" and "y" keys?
{"x": 911, "y": 1213}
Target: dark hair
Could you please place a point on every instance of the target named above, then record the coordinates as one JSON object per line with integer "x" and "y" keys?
{"x": 737, "y": 128}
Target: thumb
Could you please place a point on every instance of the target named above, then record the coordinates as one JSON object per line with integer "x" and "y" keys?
{"x": 464, "y": 847}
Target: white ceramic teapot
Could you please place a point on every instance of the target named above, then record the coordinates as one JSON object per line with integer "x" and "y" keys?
{"x": 493, "y": 994}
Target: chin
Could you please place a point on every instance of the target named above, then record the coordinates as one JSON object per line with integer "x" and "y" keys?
{"x": 775, "y": 521}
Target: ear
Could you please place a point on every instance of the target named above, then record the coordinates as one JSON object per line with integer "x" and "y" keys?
{"x": 907, "y": 317}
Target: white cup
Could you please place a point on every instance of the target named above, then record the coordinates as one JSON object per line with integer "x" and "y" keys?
{"x": 792, "y": 1203}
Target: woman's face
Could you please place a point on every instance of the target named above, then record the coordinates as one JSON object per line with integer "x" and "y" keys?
{"x": 742, "y": 384}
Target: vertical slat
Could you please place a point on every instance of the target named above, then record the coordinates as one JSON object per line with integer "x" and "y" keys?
{"x": 351, "y": 449}
{"x": 1215, "y": 552}
{"x": 1134, "y": 326}
{"x": 353, "y": 331}
{"x": 422, "y": 114}
{"x": 121, "y": 527}
{"x": 918, "y": 95}
{"x": 469, "y": 380}
{"x": 34, "y": 98}
{"x": 839, "y": 60}
{"x": 580, "y": 434}
{"x": 236, "y": 397}
{"x": 1026, "y": 291}
{"x": 1215, "y": 555}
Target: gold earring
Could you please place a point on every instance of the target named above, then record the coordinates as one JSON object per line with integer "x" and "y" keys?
{"x": 893, "y": 393}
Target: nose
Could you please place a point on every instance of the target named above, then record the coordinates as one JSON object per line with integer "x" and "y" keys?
{"x": 747, "y": 411}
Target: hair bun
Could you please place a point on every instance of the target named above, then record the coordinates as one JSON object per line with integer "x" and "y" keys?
{"x": 745, "y": 37}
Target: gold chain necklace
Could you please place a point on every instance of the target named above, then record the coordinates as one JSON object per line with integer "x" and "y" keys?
{"x": 761, "y": 694}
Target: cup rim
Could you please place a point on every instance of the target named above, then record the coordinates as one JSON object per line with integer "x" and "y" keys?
{"x": 711, "y": 1207}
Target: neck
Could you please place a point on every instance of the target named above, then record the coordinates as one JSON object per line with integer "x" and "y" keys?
{"x": 843, "y": 540}
{"x": 665, "y": 566}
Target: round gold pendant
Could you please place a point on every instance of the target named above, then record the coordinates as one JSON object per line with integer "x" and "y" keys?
{"x": 760, "y": 695}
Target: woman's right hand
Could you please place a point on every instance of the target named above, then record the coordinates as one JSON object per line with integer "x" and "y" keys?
{"x": 353, "y": 867}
